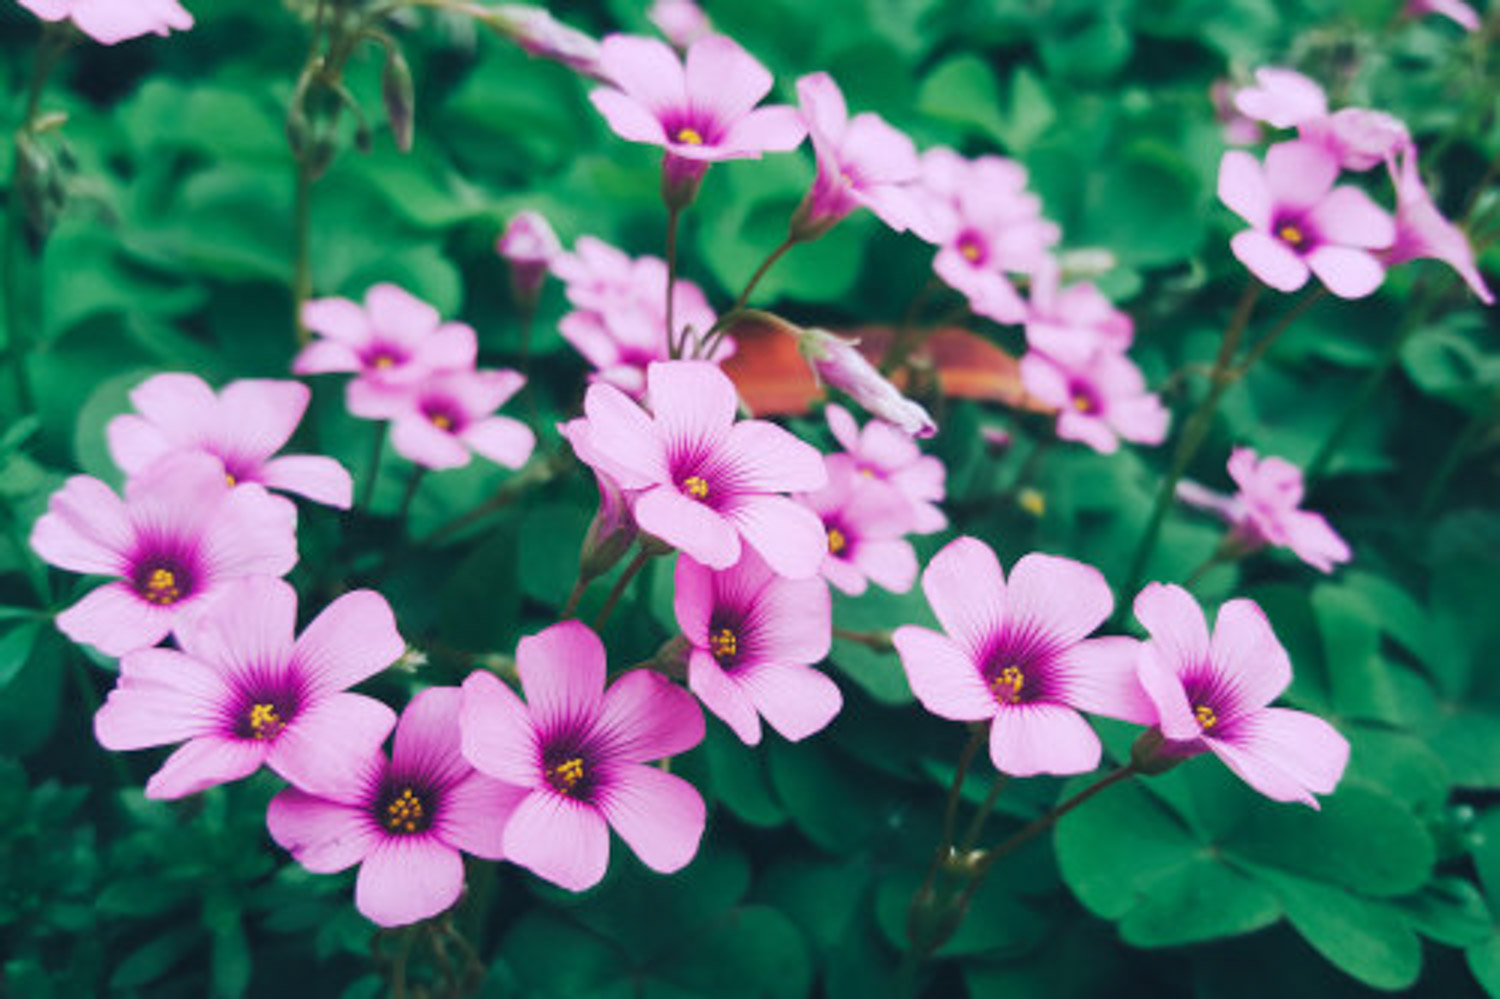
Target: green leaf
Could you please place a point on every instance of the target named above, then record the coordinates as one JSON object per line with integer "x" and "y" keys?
{"x": 1147, "y": 207}
{"x": 1451, "y": 911}
{"x": 748, "y": 953}
{"x": 740, "y": 779}
{"x": 550, "y": 537}
{"x": 150, "y": 961}
{"x": 1350, "y": 628}
{"x": 16, "y": 642}
{"x": 963, "y": 92}
{"x": 832, "y": 800}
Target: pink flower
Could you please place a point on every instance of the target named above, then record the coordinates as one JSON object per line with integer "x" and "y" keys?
{"x": 865, "y": 521}
{"x": 1423, "y": 232}
{"x": 681, "y": 21}
{"x": 613, "y": 530}
{"x": 581, "y": 754}
{"x": 838, "y": 362}
{"x": 181, "y": 533}
{"x": 1267, "y": 511}
{"x": 705, "y": 483}
{"x": 599, "y": 276}
{"x": 861, "y": 162}
{"x": 700, "y": 113}
{"x": 405, "y": 820}
{"x": 1211, "y": 694}
{"x": 542, "y": 35}
{"x": 1456, "y": 11}
{"x": 243, "y": 692}
{"x": 1359, "y": 138}
{"x": 243, "y": 427}
{"x": 111, "y": 21}
{"x": 530, "y": 245}
{"x": 1282, "y": 98}
{"x": 882, "y": 451}
{"x": 394, "y": 339}
{"x": 1017, "y": 653}
{"x": 985, "y": 223}
{"x": 1239, "y": 129}
{"x": 754, "y": 637}
{"x": 437, "y": 422}
{"x": 1300, "y": 221}
{"x": 1099, "y": 401}
{"x": 1072, "y": 324}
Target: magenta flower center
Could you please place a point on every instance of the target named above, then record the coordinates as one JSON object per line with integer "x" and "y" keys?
{"x": 838, "y": 541}
{"x": 383, "y": 356}
{"x": 405, "y": 809}
{"x": 1083, "y": 398}
{"x": 689, "y": 136}
{"x": 566, "y": 775}
{"x": 695, "y": 486}
{"x": 162, "y": 582}
{"x": 443, "y": 415}
{"x": 1206, "y": 717}
{"x": 1018, "y": 667}
{"x": 1212, "y": 702}
{"x": 1295, "y": 233}
{"x": 264, "y": 721}
{"x": 972, "y": 248}
{"x": 725, "y": 646}
{"x": 570, "y": 766}
{"x": 1008, "y": 684}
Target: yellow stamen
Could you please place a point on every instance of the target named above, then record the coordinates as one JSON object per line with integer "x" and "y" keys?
{"x": 264, "y": 721}
{"x": 1007, "y": 686}
{"x": 566, "y": 775}
{"x": 724, "y": 644}
{"x": 1206, "y": 717}
{"x": 836, "y": 541}
{"x": 1083, "y": 403}
{"x": 230, "y": 479}
{"x": 689, "y": 137}
{"x": 441, "y": 422}
{"x": 384, "y": 361}
{"x": 695, "y": 487}
{"x": 1291, "y": 235}
{"x": 405, "y": 813}
{"x": 162, "y": 588}
{"x": 970, "y": 250}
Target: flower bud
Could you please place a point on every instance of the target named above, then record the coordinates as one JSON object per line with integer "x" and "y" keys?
{"x": 838, "y": 362}
{"x": 400, "y": 98}
{"x": 1149, "y": 755}
{"x": 530, "y": 245}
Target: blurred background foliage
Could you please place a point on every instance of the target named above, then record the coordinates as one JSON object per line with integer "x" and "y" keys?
{"x": 174, "y": 251}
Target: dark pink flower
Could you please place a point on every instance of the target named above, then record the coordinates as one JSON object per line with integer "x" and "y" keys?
{"x": 1017, "y": 653}
{"x": 406, "y": 820}
{"x": 1359, "y": 138}
{"x": 754, "y": 637}
{"x": 180, "y": 534}
{"x": 395, "y": 338}
{"x": 1457, "y": 11}
{"x": 1423, "y": 232}
{"x": 1268, "y": 511}
{"x": 1300, "y": 222}
{"x": 837, "y": 362}
{"x": 704, "y": 483}
{"x": 885, "y": 452}
{"x": 862, "y": 161}
{"x": 530, "y": 245}
{"x": 1211, "y": 694}
{"x": 243, "y": 427}
{"x": 865, "y": 520}
{"x": 681, "y": 21}
{"x": 1282, "y": 98}
{"x": 1071, "y": 324}
{"x": 111, "y": 21}
{"x": 581, "y": 755}
{"x": 243, "y": 691}
{"x": 439, "y": 421}
{"x": 700, "y": 112}
{"x": 1099, "y": 401}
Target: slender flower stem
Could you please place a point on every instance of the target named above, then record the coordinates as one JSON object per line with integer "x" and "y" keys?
{"x": 574, "y": 596}
{"x": 955, "y": 795}
{"x": 536, "y": 474}
{"x": 1032, "y": 465}
{"x": 674, "y": 347}
{"x": 1265, "y": 343}
{"x": 760, "y": 272}
{"x": 876, "y": 641}
{"x": 367, "y": 495}
{"x": 621, "y": 584}
{"x": 418, "y": 473}
{"x": 1218, "y": 558}
{"x": 976, "y": 824}
{"x": 715, "y": 334}
{"x": 302, "y": 277}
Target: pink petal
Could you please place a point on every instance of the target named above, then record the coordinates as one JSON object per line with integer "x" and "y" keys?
{"x": 659, "y": 815}
{"x": 763, "y": 458}
{"x": 1247, "y": 657}
{"x": 475, "y": 812}
{"x": 1314, "y": 541}
{"x": 646, "y": 69}
{"x": 723, "y": 696}
{"x": 248, "y": 623}
{"x": 622, "y": 434}
{"x": 629, "y": 118}
{"x": 795, "y": 700}
{"x": 1030, "y": 739}
{"x": 966, "y": 590}
{"x": 254, "y": 533}
{"x": 647, "y": 717}
{"x": 845, "y": 429}
{"x": 693, "y": 402}
{"x": 163, "y": 697}
{"x": 557, "y": 838}
{"x": 788, "y": 535}
{"x": 452, "y": 347}
{"x": 504, "y": 441}
{"x": 1176, "y": 625}
{"x": 844, "y": 577}
{"x": 562, "y": 672}
{"x": 1299, "y": 174}
{"x": 407, "y": 879}
{"x": 322, "y": 480}
{"x": 203, "y": 762}
{"x": 1162, "y": 683}
{"x": 1102, "y": 679}
{"x": 353, "y": 639}
{"x": 256, "y": 417}
{"x": 774, "y": 129}
{"x": 824, "y": 108}
{"x": 417, "y": 440}
{"x": 115, "y": 621}
{"x": 135, "y": 442}
{"x": 1348, "y": 217}
{"x": 1347, "y": 273}
{"x": 1086, "y": 429}
{"x": 1063, "y": 599}
{"x": 693, "y": 599}
{"x": 723, "y": 79}
{"x": 942, "y": 675}
{"x": 399, "y": 314}
{"x": 325, "y": 836}
{"x": 1269, "y": 259}
{"x": 689, "y": 526}
{"x": 496, "y": 731}
{"x": 337, "y": 318}
{"x": 322, "y": 748}
{"x": 798, "y": 621}
{"x": 891, "y": 565}
{"x": 176, "y": 401}
{"x": 85, "y": 529}
{"x": 1242, "y": 188}
{"x": 1285, "y": 755}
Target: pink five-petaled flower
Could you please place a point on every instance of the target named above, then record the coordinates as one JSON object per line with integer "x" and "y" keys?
{"x": 1070, "y": 324}
{"x": 1423, "y": 232}
{"x": 862, "y": 161}
{"x": 405, "y": 820}
{"x": 754, "y": 637}
{"x": 530, "y": 246}
{"x": 581, "y": 754}
{"x": 179, "y": 535}
{"x": 1456, "y": 11}
{"x": 865, "y": 520}
{"x": 1267, "y": 511}
{"x": 1211, "y": 694}
{"x": 1099, "y": 401}
{"x": 882, "y": 451}
{"x": 1017, "y": 652}
{"x": 395, "y": 338}
{"x": 700, "y": 113}
{"x": 243, "y": 426}
{"x": 243, "y": 691}
{"x": 111, "y": 21}
{"x": 1359, "y": 138}
{"x": 1282, "y": 98}
{"x": 1300, "y": 221}
{"x": 437, "y": 422}
{"x": 703, "y": 482}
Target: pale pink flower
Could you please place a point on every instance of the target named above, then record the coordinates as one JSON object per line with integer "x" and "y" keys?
{"x": 1457, "y": 11}
{"x": 862, "y": 162}
{"x": 542, "y": 35}
{"x": 885, "y": 452}
{"x": 243, "y": 427}
{"x": 700, "y": 112}
{"x": 1268, "y": 501}
{"x": 837, "y": 362}
{"x": 437, "y": 422}
{"x": 244, "y": 691}
{"x": 405, "y": 820}
{"x": 1282, "y": 98}
{"x": 1071, "y": 324}
{"x": 530, "y": 246}
{"x": 1211, "y": 694}
{"x": 180, "y": 534}
{"x": 395, "y": 338}
{"x": 112, "y": 21}
{"x": 1359, "y": 138}
{"x": 866, "y": 521}
{"x": 682, "y": 22}
{"x": 581, "y": 754}
{"x": 1423, "y": 232}
{"x": 703, "y": 482}
{"x": 1301, "y": 224}
{"x": 1099, "y": 401}
{"x": 598, "y": 276}
{"x": 1239, "y": 129}
{"x": 754, "y": 637}
{"x": 1016, "y": 652}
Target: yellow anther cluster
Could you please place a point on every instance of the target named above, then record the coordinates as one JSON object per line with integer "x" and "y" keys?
{"x": 1206, "y": 717}
{"x": 969, "y": 249}
{"x": 1083, "y": 403}
{"x": 264, "y": 721}
{"x": 383, "y": 361}
{"x": 1007, "y": 685}
{"x": 724, "y": 644}
{"x": 229, "y": 478}
{"x": 836, "y": 541}
{"x": 162, "y": 588}
{"x": 1291, "y": 235}
{"x": 441, "y": 422}
{"x": 404, "y": 814}
{"x": 566, "y": 775}
{"x": 695, "y": 487}
{"x": 689, "y": 137}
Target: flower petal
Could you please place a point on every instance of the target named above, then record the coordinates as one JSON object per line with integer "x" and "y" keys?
{"x": 247, "y": 624}
{"x": 689, "y": 526}
{"x": 135, "y": 442}
{"x": 659, "y": 815}
{"x": 1299, "y": 174}
{"x": 325, "y": 836}
{"x": 795, "y": 700}
{"x": 1285, "y": 755}
{"x": 623, "y": 438}
{"x": 562, "y": 672}
{"x": 693, "y": 402}
{"x": 966, "y": 589}
{"x": 630, "y": 119}
{"x": 1348, "y": 217}
{"x": 407, "y": 879}
{"x": 788, "y": 535}
{"x": 1063, "y": 598}
{"x": 1102, "y": 679}
{"x": 203, "y": 762}
{"x": 1242, "y": 188}
{"x": 317, "y": 749}
{"x": 496, "y": 732}
{"x": 1176, "y": 625}
{"x": 1163, "y": 685}
{"x": 723, "y": 79}
{"x": 1347, "y": 273}
{"x": 647, "y": 717}
{"x": 252, "y": 534}
{"x": 763, "y": 458}
{"x": 1269, "y": 259}
{"x": 723, "y": 696}
{"x": 163, "y": 697}
{"x": 353, "y": 639}
{"x": 85, "y": 529}
{"x": 502, "y": 440}
{"x": 475, "y": 812}
{"x": 417, "y": 440}
{"x": 1030, "y": 739}
{"x": 644, "y": 68}
{"x": 115, "y": 621}
{"x": 1247, "y": 657}
{"x": 255, "y": 417}
{"x": 942, "y": 675}
{"x": 322, "y": 480}
{"x": 557, "y": 838}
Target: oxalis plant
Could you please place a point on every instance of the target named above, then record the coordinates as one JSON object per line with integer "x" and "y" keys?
{"x": 827, "y": 606}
